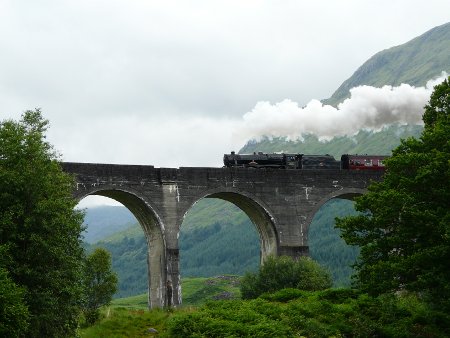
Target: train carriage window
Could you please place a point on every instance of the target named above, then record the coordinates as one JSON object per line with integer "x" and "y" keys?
{"x": 368, "y": 163}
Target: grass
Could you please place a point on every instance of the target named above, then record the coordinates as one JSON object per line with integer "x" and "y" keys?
{"x": 129, "y": 317}
{"x": 133, "y": 302}
{"x": 196, "y": 291}
{"x": 120, "y": 322}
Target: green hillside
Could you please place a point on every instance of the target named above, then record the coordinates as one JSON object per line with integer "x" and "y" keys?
{"x": 365, "y": 142}
{"x": 104, "y": 221}
{"x": 414, "y": 63}
{"x": 327, "y": 247}
{"x": 217, "y": 238}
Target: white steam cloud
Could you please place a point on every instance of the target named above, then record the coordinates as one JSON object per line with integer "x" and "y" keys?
{"x": 367, "y": 108}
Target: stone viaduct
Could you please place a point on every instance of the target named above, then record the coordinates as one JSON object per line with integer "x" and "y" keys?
{"x": 280, "y": 203}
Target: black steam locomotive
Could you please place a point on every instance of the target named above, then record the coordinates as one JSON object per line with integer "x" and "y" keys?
{"x": 301, "y": 161}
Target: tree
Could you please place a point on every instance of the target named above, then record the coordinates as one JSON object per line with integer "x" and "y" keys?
{"x": 284, "y": 272}
{"x": 40, "y": 228}
{"x": 404, "y": 231}
{"x": 100, "y": 283}
{"x": 14, "y": 314}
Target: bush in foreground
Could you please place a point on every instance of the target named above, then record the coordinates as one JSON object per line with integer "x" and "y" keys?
{"x": 283, "y": 272}
{"x": 326, "y": 313}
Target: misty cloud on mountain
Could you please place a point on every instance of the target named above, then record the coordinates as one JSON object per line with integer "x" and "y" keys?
{"x": 367, "y": 108}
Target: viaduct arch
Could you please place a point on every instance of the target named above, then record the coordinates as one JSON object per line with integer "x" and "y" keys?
{"x": 280, "y": 203}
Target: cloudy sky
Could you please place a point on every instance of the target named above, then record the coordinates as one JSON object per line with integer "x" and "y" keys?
{"x": 179, "y": 83}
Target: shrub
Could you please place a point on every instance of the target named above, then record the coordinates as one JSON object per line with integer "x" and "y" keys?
{"x": 314, "y": 314}
{"x": 100, "y": 284}
{"x": 338, "y": 295}
{"x": 284, "y": 272}
{"x": 283, "y": 295}
{"x": 256, "y": 318}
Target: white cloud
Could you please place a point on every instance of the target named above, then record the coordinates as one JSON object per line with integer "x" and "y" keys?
{"x": 367, "y": 108}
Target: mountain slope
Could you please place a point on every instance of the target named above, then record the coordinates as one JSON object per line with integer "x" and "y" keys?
{"x": 365, "y": 142}
{"x": 104, "y": 221}
{"x": 414, "y": 63}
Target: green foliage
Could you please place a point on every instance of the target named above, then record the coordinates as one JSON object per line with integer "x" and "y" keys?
{"x": 39, "y": 227}
{"x": 231, "y": 319}
{"x": 404, "y": 234}
{"x": 339, "y": 295}
{"x": 100, "y": 283}
{"x": 329, "y": 313}
{"x": 14, "y": 314}
{"x": 283, "y": 272}
{"x": 287, "y": 313}
{"x": 437, "y": 112}
{"x": 284, "y": 295}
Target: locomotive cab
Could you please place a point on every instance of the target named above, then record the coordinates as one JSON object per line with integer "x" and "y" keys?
{"x": 292, "y": 161}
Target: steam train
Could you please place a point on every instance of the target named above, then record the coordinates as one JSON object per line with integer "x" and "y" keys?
{"x": 301, "y": 161}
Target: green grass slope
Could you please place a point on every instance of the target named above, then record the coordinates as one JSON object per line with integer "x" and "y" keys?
{"x": 195, "y": 291}
{"x": 414, "y": 62}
